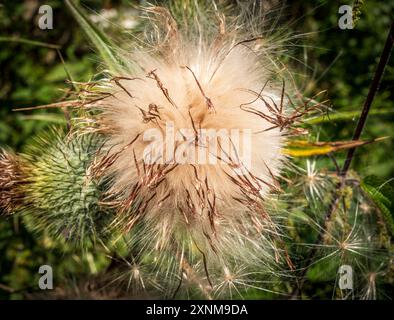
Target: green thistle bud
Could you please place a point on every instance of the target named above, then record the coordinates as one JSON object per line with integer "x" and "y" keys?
{"x": 63, "y": 199}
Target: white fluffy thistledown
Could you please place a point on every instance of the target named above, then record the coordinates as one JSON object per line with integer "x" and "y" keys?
{"x": 180, "y": 203}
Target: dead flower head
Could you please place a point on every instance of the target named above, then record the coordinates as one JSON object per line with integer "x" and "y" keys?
{"x": 11, "y": 178}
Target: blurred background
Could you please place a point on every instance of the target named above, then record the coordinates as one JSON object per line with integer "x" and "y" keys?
{"x": 32, "y": 74}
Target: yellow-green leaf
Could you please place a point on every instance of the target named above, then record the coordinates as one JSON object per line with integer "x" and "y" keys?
{"x": 302, "y": 148}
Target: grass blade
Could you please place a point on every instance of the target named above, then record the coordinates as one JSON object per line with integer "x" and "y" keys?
{"x": 98, "y": 39}
{"x": 31, "y": 42}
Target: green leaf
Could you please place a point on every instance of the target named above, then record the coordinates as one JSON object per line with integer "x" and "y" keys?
{"x": 324, "y": 270}
{"x": 347, "y": 115}
{"x": 31, "y": 42}
{"x": 98, "y": 39}
{"x": 382, "y": 194}
{"x": 50, "y": 118}
{"x": 302, "y": 148}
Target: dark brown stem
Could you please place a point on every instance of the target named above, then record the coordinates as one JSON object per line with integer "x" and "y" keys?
{"x": 384, "y": 58}
{"x": 371, "y": 95}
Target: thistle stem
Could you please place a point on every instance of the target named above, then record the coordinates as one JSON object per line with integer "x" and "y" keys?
{"x": 384, "y": 58}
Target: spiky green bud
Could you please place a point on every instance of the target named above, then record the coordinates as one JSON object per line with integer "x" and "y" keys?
{"x": 62, "y": 197}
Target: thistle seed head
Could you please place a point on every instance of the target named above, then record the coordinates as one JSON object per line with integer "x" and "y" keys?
{"x": 194, "y": 128}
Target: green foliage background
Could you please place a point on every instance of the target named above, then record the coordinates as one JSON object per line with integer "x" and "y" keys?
{"x": 339, "y": 61}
